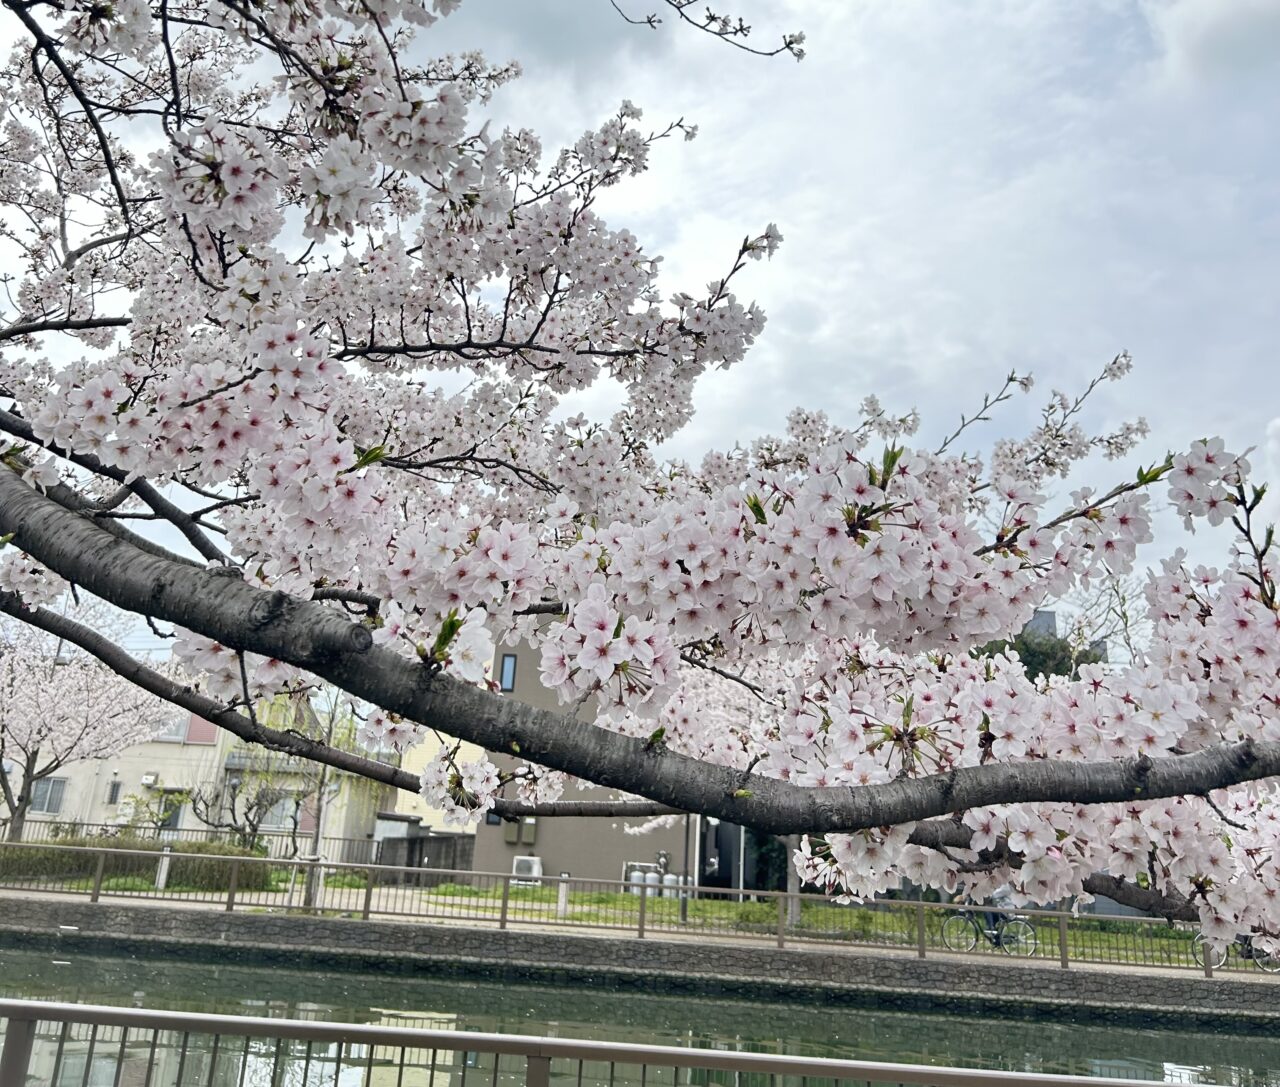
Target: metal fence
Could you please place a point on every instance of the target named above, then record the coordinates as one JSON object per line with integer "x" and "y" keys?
{"x": 61, "y": 1045}
{"x": 506, "y": 901}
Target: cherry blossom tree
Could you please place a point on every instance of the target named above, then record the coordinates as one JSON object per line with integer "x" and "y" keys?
{"x": 59, "y": 706}
{"x": 285, "y": 296}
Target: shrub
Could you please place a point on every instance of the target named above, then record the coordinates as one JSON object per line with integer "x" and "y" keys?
{"x": 346, "y": 879}
{"x": 457, "y": 890}
{"x": 210, "y": 870}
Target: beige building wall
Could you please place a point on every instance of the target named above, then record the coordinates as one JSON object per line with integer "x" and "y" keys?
{"x": 415, "y": 760}
{"x": 98, "y": 790}
{"x": 585, "y": 848}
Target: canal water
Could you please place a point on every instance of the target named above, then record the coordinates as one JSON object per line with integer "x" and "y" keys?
{"x": 453, "y": 1004}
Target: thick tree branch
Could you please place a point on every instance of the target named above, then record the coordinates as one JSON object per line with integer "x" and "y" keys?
{"x": 1171, "y": 906}
{"x": 74, "y": 500}
{"x": 947, "y": 834}
{"x": 129, "y": 667}
{"x": 310, "y": 636}
{"x": 63, "y": 324}
{"x": 288, "y": 742}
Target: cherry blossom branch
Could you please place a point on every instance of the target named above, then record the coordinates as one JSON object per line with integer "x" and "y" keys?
{"x": 61, "y": 324}
{"x": 369, "y": 601}
{"x": 727, "y": 28}
{"x": 309, "y": 636}
{"x": 288, "y": 741}
{"x": 701, "y": 661}
{"x": 50, "y": 49}
{"x": 175, "y": 515}
{"x": 989, "y": 401}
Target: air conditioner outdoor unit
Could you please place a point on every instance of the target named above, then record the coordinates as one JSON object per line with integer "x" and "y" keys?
{"x": 149, "y": 781}
{"x": 526, "y": 869}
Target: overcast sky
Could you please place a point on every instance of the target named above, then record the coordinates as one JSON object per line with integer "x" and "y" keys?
{"x": 964, "y": 189}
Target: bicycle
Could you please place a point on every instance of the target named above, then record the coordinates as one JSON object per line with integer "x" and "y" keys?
{"x": 1244, "y": 949}
{"x": 1012, "y": 935}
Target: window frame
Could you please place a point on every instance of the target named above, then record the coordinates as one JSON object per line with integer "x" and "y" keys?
{"x": 40, "y": 796}
{"x": 503, "y": 684}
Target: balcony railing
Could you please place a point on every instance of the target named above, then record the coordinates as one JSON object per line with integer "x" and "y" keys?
{"x": 57, "y": 1045}
{"x": 445, "y": 896}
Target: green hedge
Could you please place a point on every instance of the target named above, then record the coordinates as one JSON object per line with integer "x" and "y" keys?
{"x": 210, "y": 872}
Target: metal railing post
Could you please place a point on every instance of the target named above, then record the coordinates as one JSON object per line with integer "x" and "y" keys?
{"x": 506, "y": 901}
{"x": 1207, "y": 952}
{"x": 782, "y": 920}
{"x": 644, "y": 897}
{"x": 920, "y": 930}
{"x": 1063, "y": 956}
{"x": 233, "y": 881}
{"x": 97, "y": 876}
{"x": 537, "y": 1070}
{"x": 367, "y": 908}
{"x": 15, "y": 1057}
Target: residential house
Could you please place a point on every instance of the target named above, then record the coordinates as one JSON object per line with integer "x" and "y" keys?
{"x": 587, "y": 848}
{"x": 151, "y": 786}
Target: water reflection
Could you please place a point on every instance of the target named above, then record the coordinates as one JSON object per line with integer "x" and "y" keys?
{"x": 452, "y": 1004}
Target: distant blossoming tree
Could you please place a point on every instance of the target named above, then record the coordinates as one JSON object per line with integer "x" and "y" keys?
{"x": 321, "y": 333}
{"x": 59, "y": 705}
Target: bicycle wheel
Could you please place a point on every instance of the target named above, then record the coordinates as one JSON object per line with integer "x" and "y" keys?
{"x": 1217, "y": 957}
{"x": 959, "y": 932}
{"x": 1264, "y": 961}
{"x": 1017, "y": 937}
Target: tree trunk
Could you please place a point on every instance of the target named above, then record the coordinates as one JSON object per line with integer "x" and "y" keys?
{"x": 317, "y": 832}
{"x": 21, "y": 804}
{"x": 18, "y": 819}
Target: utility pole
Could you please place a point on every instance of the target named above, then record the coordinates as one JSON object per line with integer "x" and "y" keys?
{"x": 317, "y": 831}
{"x": 684, "y": 873}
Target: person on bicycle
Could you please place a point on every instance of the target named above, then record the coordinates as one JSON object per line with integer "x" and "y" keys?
{"x": 1000, "y": 898}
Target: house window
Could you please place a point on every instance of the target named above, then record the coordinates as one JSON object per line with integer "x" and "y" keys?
{"x": 172, "y": 732}
{"x": 113, "y": 792}
{"x": 46, "y": 795}
{"x": 280, "y": 813}
{"x": 171, "y": 812}
{"x": 507, "y": 674}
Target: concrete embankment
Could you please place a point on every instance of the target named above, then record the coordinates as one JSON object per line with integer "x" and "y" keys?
{"x": 831, "y": 976}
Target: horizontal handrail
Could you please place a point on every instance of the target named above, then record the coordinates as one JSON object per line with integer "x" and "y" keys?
{"x": 411, "y": 1038}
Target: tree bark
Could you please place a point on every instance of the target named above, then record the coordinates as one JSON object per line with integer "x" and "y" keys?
{"x": 18, "y": 820}
{"x": 20, "y": 803}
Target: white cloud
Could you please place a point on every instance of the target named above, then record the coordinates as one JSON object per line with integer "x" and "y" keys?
{"x": 1217, "y": 39}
